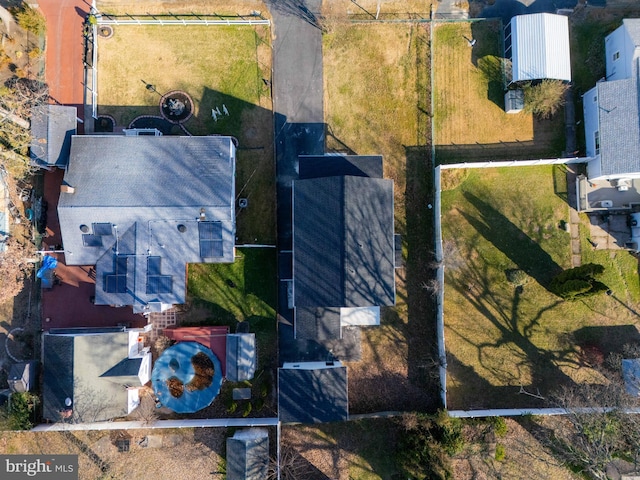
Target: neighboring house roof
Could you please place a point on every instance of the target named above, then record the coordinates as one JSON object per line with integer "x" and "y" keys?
{"x": 51, "y": 129}
{"x": 312, "y": 392}
{"x": 248, "y": 454}
{"x": 632, "y": 25}
{"x": 343, "y": 242}
{"x": 141, "y": 208}
{"x": 619, "y": 127}
{"x": 241, "y": 356}
{"x": 93, "y": 370}
{"x": 316, "y": 166}
{"x": 631, "y": 376}
{"x": 540, "y": 47}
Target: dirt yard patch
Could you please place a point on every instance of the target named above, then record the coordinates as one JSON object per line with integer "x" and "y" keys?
{"x": 151, "y": 453}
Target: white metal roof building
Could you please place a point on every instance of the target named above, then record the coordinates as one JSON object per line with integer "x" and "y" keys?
{"x": 538, "y": 47}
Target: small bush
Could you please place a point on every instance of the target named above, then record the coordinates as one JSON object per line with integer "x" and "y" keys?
{"x": 34, "y": 53}
{"x": 499, "y": 426}
{"x": 545, "y": 98}
{"x": 516, "y": 277}
{"x": 247, "y": 410}
{"x": 500, "y": 453}
{"x": 21, "y": 411}
{"x": 31, "y": 20}
{"x": 233, "y": 406}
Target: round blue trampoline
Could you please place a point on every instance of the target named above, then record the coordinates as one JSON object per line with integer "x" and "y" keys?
{"x": 187, "y": 377}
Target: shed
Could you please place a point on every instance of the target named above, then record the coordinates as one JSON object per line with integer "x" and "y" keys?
{"x": 51, "y": 129}
{"x": 241, "y": 356}
{"x": 514, "y": 101}
{"x": 248, "y": 454}
{"x": 22, "y": 376}
{"x": 538, "y": 47}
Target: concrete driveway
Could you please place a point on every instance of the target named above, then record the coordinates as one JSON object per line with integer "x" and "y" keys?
{"x": 506, "y": 9}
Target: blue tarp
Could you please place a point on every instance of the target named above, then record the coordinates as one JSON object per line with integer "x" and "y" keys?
{"x": 45, "y": 273}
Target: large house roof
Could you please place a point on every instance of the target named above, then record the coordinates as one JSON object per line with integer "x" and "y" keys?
{"x": 310, "y": 393}
{"x": 343, "y": 242}
{"x": 619, "y": 128}
{"x": 93, "y": 370}
{"x": 52, "y": 127}
{"x": 316, "y": 166}
{"x": 141, "y": 208}
{"x": 540, "y": 47}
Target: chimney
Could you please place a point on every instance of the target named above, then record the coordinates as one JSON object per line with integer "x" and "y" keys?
{"x": 64, "y": 188}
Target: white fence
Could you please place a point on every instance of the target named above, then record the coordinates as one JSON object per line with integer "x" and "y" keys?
{"x": 177, "y": 20}
{"x": 195, "y": 423}
{"x": 442, "y": 352}
{"x": 517, "y": 163}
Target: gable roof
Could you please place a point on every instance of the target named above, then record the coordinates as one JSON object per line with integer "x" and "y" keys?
{"x": 619, "y": 125}
{"x": 91, "y": 369}
{"x": 540, "y": 47}
{"x": 51, "y": 129}
{"x": 141, "y": 208}
{"x": 248, "y": 454}
{"x": 317, "y": 166}
{"x": 343, "y": 242}
{"x": 312, "y": 392}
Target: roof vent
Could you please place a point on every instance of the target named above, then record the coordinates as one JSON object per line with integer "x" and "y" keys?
{"x": 243, "y": 202}
{"x": 182, "y": 228}
{"x": 202, "y": 215}
{"x": 84, "y": 228}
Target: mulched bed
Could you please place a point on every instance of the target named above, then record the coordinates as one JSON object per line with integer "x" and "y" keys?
{"x": 176, "y": 387}
{"x": 203, "y": 378}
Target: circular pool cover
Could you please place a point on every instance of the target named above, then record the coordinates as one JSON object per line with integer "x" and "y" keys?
{"x": 187, "y": 377}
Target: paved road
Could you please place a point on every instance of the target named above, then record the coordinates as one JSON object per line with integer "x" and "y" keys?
{"x": 509, "y": 8}
{"x": 64, "y": 71}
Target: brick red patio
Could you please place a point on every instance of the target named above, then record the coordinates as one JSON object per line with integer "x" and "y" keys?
{"x": 69, "y": 304}
{"x": 212, "y": 337}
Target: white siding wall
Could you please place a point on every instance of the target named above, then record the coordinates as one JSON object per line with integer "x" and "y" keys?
{"x": 591, "y": 123}
{"x": 619, "y": 42}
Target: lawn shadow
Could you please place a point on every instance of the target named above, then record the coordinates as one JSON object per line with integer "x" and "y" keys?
{"x": 521, "y": 249}
{"x": 606, "y": 339}
{"x": 512, "y": 333}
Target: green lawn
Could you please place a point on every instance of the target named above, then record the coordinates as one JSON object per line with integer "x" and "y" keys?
{"x": 218, "y": 67}
{"x": 499, "y": 338}
{"x": 246, "y": 290}
{"x": 470, "y": 123}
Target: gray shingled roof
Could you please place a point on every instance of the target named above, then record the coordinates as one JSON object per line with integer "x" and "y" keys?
{"x": 80, "y": 367}
{"x": 248, "y": 455}
{"x": 139, "y": 197}
{"x": 318, "y": 323}
{"x": 315, "y": 395}
{"x": 343, "y": 243}
{"x": 632, "y": 26}
{"x": 619, "y": 126}
{"x": 340, "y": 165}
{"x": 51, "y": 129}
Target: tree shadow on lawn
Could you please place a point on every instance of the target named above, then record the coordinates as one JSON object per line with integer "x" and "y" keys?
{"x": 521, "y": 249}
{"x": 514, "y": 332}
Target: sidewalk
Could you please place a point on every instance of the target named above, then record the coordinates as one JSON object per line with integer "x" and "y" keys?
{"x": 64, "y": 70}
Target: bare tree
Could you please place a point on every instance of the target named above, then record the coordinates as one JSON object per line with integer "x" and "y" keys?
{"x": 597, "y": 428}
